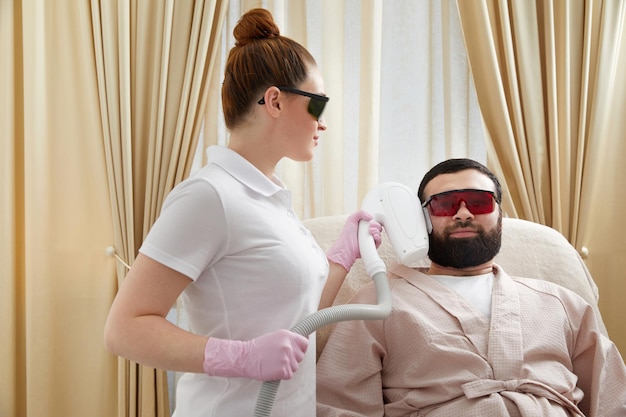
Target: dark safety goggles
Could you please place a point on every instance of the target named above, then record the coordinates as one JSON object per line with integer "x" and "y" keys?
{"x": 317, "y": 102}
{"x": 449, "y": 202}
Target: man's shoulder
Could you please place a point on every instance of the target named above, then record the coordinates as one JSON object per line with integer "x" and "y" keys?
{"x": 547, "y": 288}
{"x": 368, "y": 292}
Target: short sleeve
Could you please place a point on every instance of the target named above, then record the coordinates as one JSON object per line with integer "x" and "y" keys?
{"x": 191, "y": 232}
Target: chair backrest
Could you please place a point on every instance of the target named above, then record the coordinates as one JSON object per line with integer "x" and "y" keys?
{"x": 528, "y": 250}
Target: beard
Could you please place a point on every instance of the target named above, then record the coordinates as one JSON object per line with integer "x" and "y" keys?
{"x": 467, "y": 252}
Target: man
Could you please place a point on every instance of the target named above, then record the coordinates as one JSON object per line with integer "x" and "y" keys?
{"x": 464, "y": 338}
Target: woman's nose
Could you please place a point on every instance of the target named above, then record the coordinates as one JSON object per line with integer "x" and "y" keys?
{"x": 321, "y": 123}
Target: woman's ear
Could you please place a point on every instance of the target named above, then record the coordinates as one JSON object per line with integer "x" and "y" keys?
{"x": 272, "y": 101}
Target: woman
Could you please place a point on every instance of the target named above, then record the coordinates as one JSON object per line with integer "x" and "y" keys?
{"x": 229, "y": 241}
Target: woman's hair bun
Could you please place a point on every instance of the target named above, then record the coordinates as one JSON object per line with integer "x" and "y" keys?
{"x": 255, "y": 24}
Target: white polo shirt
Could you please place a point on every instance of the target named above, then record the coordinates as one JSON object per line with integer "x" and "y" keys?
{"x": 255, "y": 268}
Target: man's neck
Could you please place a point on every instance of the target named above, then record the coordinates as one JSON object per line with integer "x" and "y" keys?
{"x": 481, "y": 269}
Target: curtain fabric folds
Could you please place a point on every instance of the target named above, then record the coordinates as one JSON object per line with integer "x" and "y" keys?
{"x": 544, "y": 73}
{"x": 11, "y": 163}
{"x": 55, "y": 279}
{"x": 153, "y": 62}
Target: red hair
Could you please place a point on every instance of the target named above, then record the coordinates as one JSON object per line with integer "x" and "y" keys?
{"x": 260, "y": 59}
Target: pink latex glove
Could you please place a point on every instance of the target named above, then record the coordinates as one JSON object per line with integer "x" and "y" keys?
{"x": 272, "y": 356}
{"x": 345, "y": 250}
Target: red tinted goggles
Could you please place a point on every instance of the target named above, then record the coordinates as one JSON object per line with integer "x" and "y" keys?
{"x": 449, "y": 202}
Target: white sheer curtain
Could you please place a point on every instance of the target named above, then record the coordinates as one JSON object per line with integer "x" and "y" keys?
{"x": 402, "y": 97}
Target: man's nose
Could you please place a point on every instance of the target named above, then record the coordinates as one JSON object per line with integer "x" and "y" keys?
{"x": 463, "y": 212}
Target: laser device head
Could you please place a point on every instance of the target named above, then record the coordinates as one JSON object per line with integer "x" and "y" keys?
{"x": 398, "y": 209}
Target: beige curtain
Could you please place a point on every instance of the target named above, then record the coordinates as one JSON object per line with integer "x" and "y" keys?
{"x": 154, "y": 61}
{"x": 11, "y": 213}
{"x": 544, "y": 72}
{"x": 100, "y": 108}
{"x": 548, "y": 77}
{"x": 55, "y": 281}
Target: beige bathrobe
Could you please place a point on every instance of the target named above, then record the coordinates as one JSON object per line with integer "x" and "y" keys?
{"x": 541, "y": 354}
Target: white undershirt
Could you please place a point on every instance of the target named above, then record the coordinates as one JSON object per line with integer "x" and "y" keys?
{"x": 475, "y": 289}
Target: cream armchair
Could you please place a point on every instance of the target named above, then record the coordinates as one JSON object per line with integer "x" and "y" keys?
{"x": 528, "y": 250}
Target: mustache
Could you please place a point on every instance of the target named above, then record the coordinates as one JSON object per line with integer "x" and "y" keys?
{"x": 464, "y": 225}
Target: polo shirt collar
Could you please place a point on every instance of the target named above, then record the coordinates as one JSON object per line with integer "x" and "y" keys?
{"x": 243, "y": 171}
